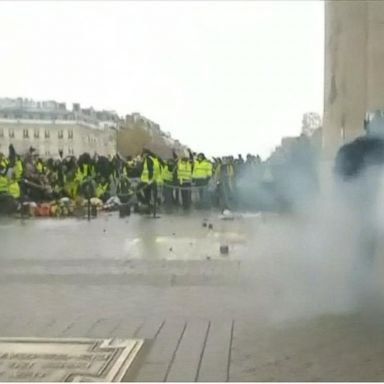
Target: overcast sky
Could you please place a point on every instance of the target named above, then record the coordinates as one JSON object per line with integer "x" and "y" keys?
{"x": 223, "y": 77}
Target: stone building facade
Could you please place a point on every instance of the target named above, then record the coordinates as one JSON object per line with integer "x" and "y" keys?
{"x": 354, "y": 76}
{"x": 50, "y": 127}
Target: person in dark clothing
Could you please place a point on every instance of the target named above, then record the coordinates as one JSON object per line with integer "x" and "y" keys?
{"x": 169, "y": 181}
{"x": 184, "y": 170}
{"x": 358, "y": 168}
{"x": 356, "y": 157}
{"x": 145, "y": 178}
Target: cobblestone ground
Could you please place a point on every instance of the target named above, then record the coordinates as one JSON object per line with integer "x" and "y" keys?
{"x": 262, "y": 312}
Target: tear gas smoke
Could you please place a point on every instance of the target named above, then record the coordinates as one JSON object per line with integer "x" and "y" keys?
{"x": 324, "y": 256}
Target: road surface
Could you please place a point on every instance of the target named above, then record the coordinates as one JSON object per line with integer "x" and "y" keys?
{"x": 277, "y": 307}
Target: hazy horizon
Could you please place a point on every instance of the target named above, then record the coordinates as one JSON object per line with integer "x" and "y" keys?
{"x": 222, "y": 77}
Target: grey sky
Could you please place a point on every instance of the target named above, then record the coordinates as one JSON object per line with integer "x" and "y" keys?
{"x": 223, "y": 77}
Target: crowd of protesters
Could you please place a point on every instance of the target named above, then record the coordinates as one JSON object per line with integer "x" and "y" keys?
{"x": 59, "y": 187}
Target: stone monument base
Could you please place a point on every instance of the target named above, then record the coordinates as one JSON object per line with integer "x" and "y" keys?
{"x": 63, "y": 360}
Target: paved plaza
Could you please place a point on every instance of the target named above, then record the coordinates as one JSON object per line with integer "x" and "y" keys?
{"x": 262, "y": 312}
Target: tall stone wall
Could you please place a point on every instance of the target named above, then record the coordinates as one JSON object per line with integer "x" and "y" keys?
{"x": 354, "y": 69}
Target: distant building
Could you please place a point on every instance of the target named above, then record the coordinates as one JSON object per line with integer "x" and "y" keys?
{"x": 138, "y": 132}
{"x": 50, "y": 127}
{"x": 147, "y": 124}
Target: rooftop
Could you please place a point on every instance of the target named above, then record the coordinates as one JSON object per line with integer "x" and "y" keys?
{"x": 29, "y": 109}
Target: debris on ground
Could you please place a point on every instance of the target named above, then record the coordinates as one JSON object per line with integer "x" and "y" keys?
{"x": 226, "y": 215}
{"x": 224, "y": 249}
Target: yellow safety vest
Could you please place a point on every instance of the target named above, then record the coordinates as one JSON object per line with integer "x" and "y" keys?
{"x": 145, "y": 173}
{"x": 101, "y": 189}
{"x": 81, "y": 175}
{"x": 231, "y": 171}
{"x": 40, "y": 167}
{"x": 202, "y": 169}
{"x": 184, "y": 171}
{"x": 156, "y": 171}
{"x": 166, "y": 174}
{"x": 18, "y": 169}
{"x": 71, "y": 188}
{"x": 4, "y": 163}
{"x": 3, "y": 184}
{"x": 14, "y": 189}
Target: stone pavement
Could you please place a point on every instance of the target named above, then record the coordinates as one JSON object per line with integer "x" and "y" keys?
{"x": 177, "y": 349}
{"x": 248, "y": 316}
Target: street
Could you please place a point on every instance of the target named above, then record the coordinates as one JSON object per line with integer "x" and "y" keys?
{"x": 269, "y": 310}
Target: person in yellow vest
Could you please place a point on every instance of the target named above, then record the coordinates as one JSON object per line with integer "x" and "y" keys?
{"x": 146, "y": 178}
{"x": 40, "y": 166}
{"x": 184, "y": 177}
{"x": 13, "y": 187}
{"x": 224, "y": 176}
{"x": 168, "y": 176}
{"x": 69, "y": 178}
{"x": 18, "y": 168}
{"x": 3, "y": 159}
{"x": 7, "y": 203}
{"x": 84, "y": 172}
{"x": 102, "y": 189}
{"x": 150, "y": 176}
{"x": 3, "y": 178}
{"x": 202, "y": 172}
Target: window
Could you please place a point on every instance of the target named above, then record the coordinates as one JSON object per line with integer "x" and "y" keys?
{"x": 46, "y": 134}
{"x": 70, "y": 134}
{"x": 70, "y": 151}
{"x": 47, "y": 153}
{"x": 60, "y": 134}
{"x": 1, "y": 132}
{"x": 36, "y": 133}
{"x": 25, "y": 134}
{"x": 11, "y": 133}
